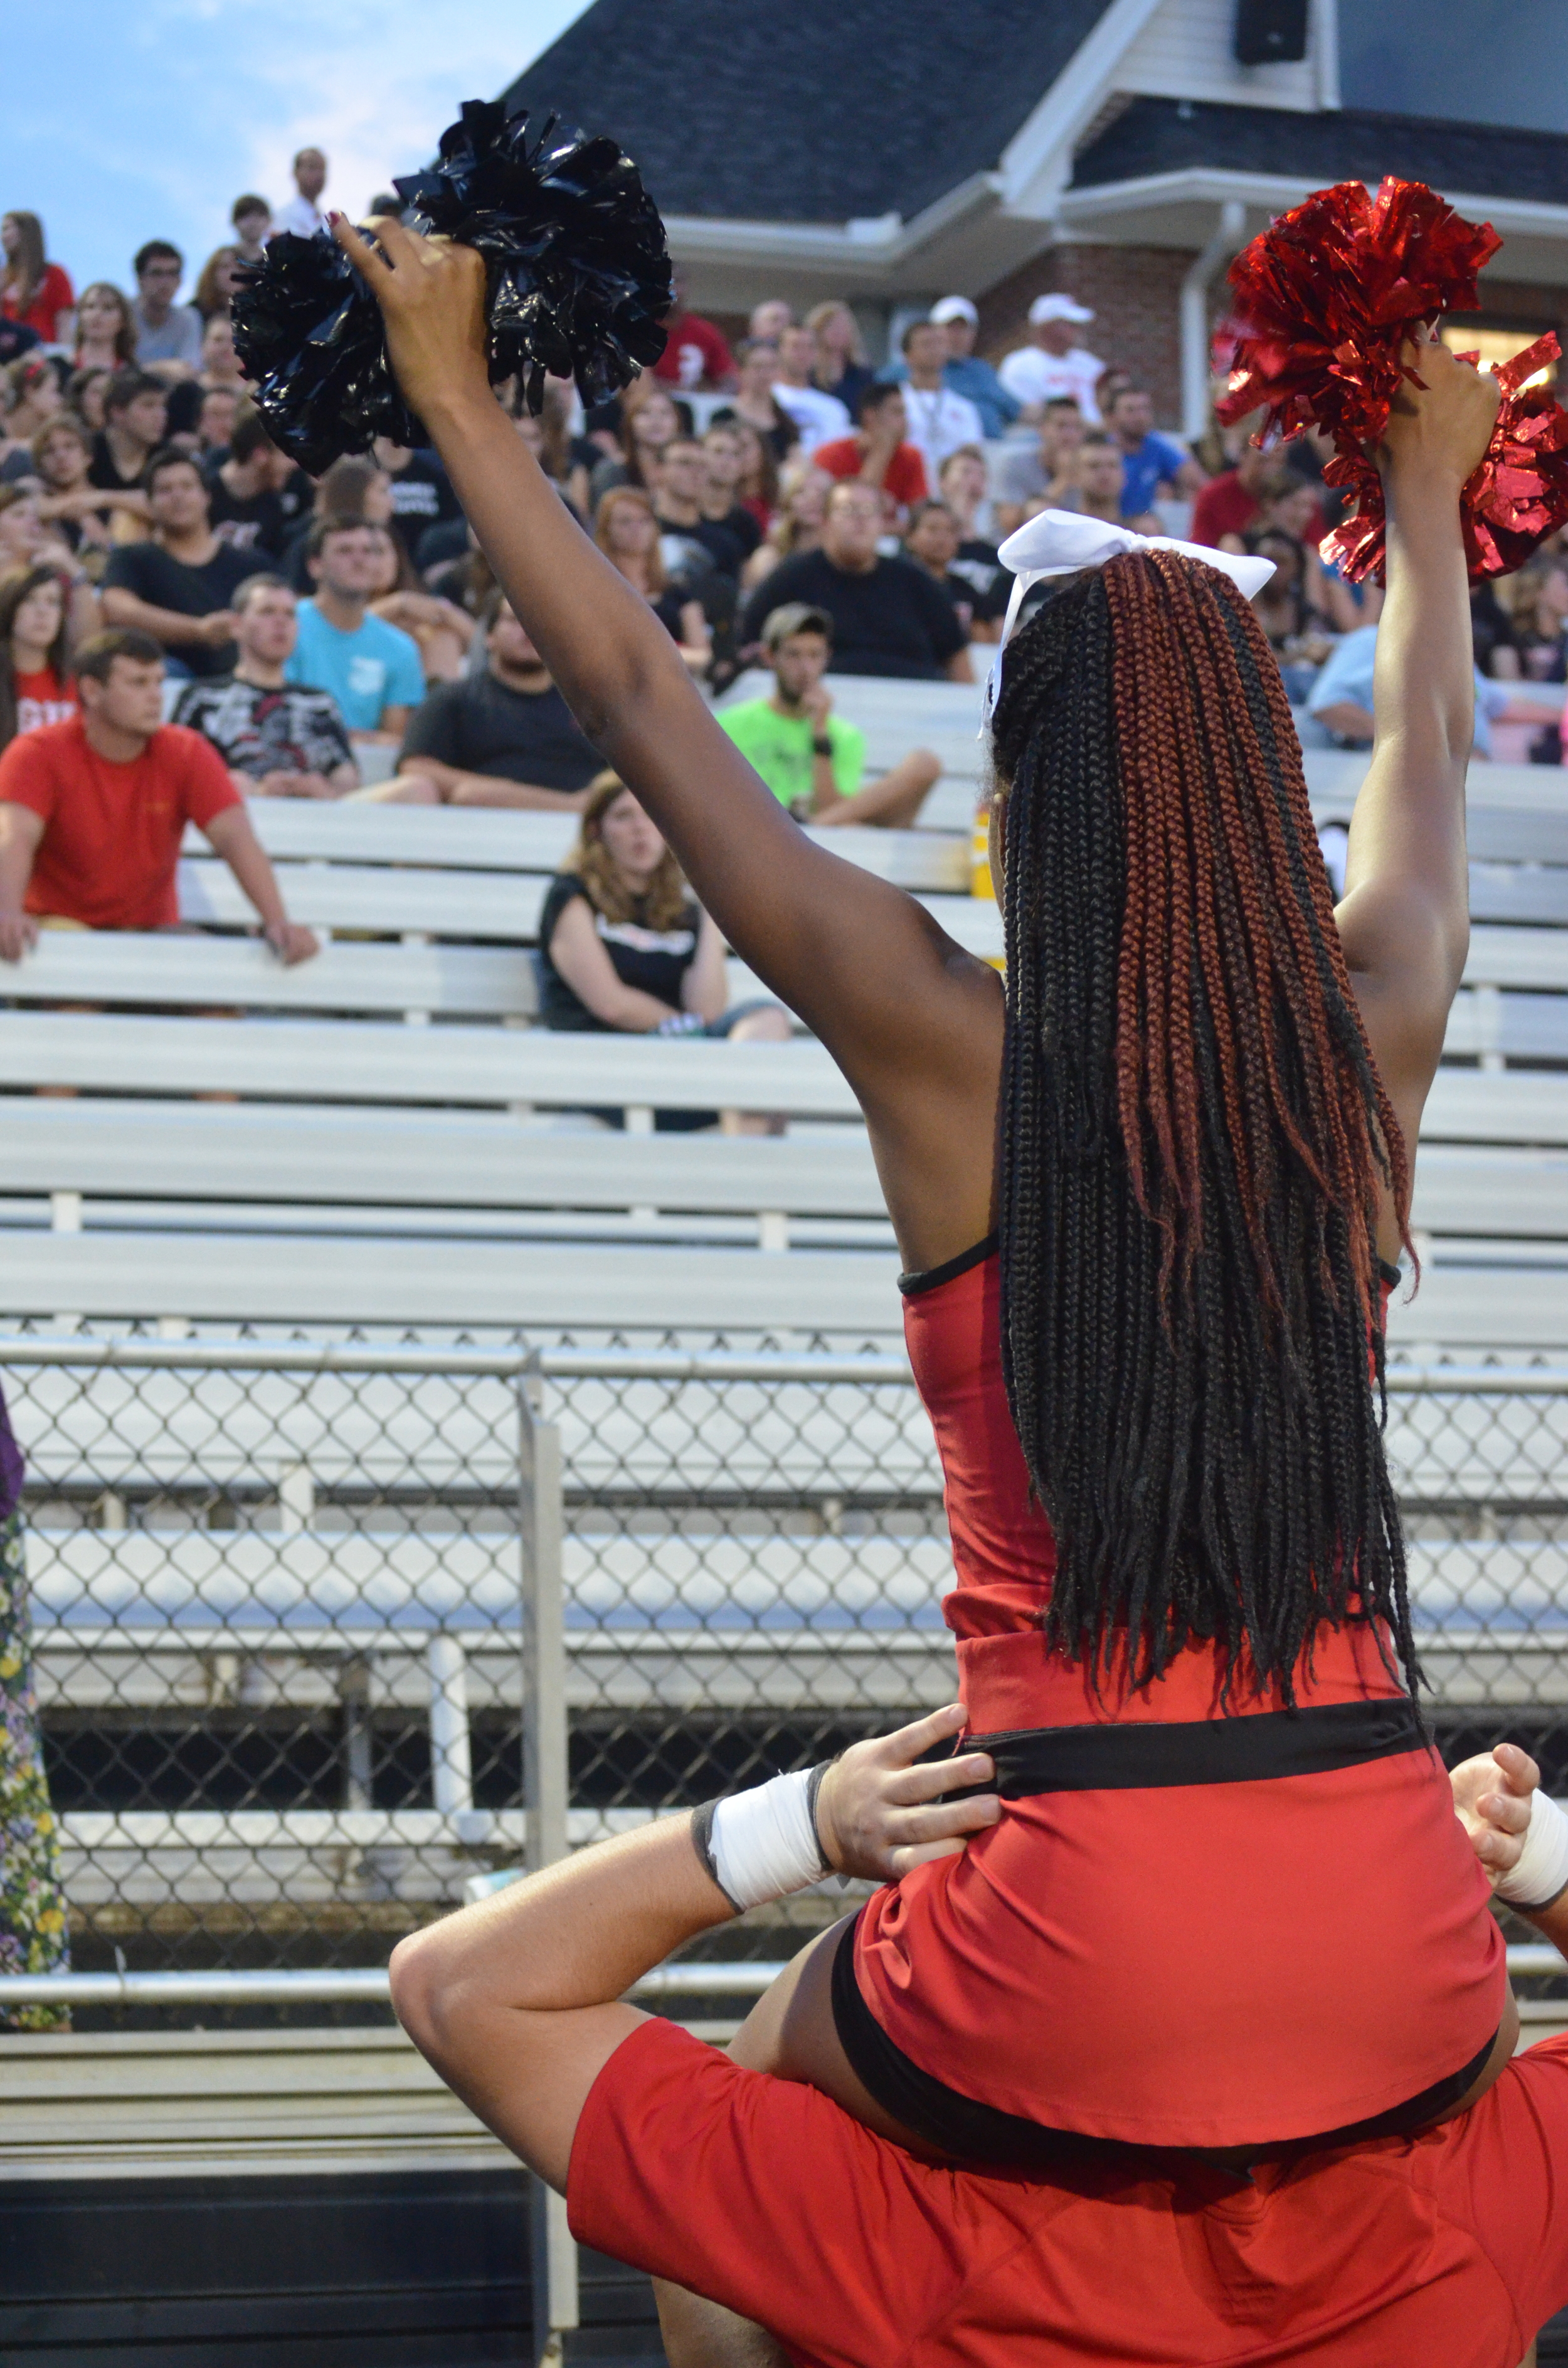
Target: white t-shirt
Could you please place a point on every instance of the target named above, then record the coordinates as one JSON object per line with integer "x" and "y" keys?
{"x": 1031, "y": 375}
{"x": 819, "y": 418}
{"x": 939, "y": 421}
{"x": 300, "y": 216}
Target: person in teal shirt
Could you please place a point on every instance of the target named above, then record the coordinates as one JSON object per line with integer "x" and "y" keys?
{"x": 812, "y": 759}
{"x": 372, "y": 668}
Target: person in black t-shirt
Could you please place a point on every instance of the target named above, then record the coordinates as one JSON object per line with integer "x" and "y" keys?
{"x": 888, "y": 618}
{"x": 258, "y": 498}
{"x": 505, "y": 737}
{"x": 932, "y": 542}
{"x": 178, "y": 586}
{"x": 677, "y": 505}
{"x": 136, "y": 408}
{"x": 625, "y": 947}
{"x": 16, "y": 339}
{"x": 723, "y": 465}
{"x": 422, "y": 491}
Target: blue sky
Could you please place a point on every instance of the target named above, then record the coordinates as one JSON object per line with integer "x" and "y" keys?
{"x": 123, "y": 122}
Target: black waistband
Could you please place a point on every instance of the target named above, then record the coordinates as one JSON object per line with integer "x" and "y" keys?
{"x": 1243, "y": 1749}
{"x": 930, "y": 1278}
{"x": 984, "y": 2135}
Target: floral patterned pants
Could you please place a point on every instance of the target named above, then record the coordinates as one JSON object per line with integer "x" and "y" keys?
{"x": 33, "y": 1938}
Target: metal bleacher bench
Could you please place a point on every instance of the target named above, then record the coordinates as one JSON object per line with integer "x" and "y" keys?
{"x": 284, "y": 1213}
{"x": 349, "y": 1127}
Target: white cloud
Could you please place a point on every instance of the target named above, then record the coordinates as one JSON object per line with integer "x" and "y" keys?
{"x": 383, "y": 82}
{"x": 172, "y": 108}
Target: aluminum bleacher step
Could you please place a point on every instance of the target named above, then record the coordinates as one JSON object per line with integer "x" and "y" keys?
{"x": 326, "y": 1279}
{"x": 323, "y": 1060}
{"x": 302, "y": 1151}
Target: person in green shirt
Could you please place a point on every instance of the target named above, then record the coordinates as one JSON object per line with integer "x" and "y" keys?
{"x": 811, "y": 758}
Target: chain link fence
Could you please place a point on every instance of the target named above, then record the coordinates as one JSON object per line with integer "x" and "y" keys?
{"x": 280, "y": 1596}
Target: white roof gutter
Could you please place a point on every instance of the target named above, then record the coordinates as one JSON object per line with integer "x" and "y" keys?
{"x": 1272, "y": 193}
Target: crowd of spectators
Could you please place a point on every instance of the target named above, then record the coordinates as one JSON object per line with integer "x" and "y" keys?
{"x": 781, "y": 502}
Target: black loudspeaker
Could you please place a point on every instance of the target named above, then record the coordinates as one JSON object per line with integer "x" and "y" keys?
{"x": 1270, "y": 33}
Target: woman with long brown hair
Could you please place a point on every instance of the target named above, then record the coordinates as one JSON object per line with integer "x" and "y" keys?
{"x": 650, "y": 418}
{"x": 442, "y": 631}
{"x": 757, "y": 485}
{"x": 840, "y": 368}
{"x": 624, "y": 947}
{"x": 36, "y": 640}
{"x": 627, "y": 531}
{"x": 106, "y": 334}
{"x": 214, "y": 289}
{"x": 32, "y": 289}
{"x": 803, "y": 490}
{"x": 1148, "y": 1194}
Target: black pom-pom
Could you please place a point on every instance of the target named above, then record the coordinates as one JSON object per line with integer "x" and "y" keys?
{"x": 308, "y": 334}
{"x": 579, "y": 272}
{"x": 578, "y": 283}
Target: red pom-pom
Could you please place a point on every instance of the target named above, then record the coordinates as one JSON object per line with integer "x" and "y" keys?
{"x": 1330, "y": 293}
{"x": 1514, "y": 500}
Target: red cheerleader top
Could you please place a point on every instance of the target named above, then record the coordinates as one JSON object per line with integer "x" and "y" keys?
{"x": 1195, "y": 1965}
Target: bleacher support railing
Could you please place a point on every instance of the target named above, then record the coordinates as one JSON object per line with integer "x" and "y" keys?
{"x": 329, "y": 1637}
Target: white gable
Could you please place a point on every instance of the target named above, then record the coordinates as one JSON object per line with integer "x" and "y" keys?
{"x": 1185, "y": 52}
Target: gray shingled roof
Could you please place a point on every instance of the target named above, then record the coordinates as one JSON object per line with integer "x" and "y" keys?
{"x": 1167, "y": 136}
{"x": 819, "y": 112}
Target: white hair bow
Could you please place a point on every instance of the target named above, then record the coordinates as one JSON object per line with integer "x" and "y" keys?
{"x": 1063, "y": 543}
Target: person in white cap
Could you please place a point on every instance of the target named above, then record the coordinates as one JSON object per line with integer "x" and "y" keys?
{"x": 1055, "y": 363}
{"x": 964, "y": 373}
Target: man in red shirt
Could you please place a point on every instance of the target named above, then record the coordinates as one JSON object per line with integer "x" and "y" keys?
{"x": 1230, "y": 503}
{"x": 877, "y": 454}
{"x": 764, "y": 2195}
{"x": 696, "y": 353}
{"x": 93, "y": 810}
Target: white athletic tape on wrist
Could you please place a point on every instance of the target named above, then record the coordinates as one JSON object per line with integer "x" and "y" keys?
{"x": 1541, "y": 1871}
{"x": 764, "y": 1842}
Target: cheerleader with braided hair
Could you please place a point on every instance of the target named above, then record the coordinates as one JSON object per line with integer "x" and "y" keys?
{"x": 1146, "y": 1197}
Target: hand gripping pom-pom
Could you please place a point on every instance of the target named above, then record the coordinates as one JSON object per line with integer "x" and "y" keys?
{"x": 1330, "y": 293}
{"x": 308, "y": 333}
{"x": 578, "y": 280}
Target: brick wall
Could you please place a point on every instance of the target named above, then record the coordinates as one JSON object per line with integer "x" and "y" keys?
{"x": 1134, "y": 293}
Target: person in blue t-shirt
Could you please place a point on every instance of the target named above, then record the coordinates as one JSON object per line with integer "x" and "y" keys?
{"x": 1149, "y": 460}
{"x": 1341, "y": 699}
{"x": 371, "y": 669}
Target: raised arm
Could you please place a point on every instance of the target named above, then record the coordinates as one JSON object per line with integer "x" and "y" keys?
{"x": 897, "y": 1003}
{"x": 1404, "y": 921}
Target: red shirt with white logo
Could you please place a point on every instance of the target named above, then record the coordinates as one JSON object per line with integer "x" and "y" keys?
{"x": 694, "y": 351}
{"x": 42, "y": 697}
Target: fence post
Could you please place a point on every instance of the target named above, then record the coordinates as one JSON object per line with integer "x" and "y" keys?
{"x": 551, "y": 2250}
{"x": 451, "y": 1756}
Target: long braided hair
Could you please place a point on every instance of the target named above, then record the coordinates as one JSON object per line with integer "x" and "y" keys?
{"x": 1193, "y": 1138}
